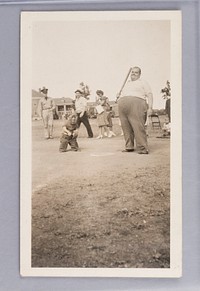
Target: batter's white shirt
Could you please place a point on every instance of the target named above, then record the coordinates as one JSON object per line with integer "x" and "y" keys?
{"x": 139, "y": 88}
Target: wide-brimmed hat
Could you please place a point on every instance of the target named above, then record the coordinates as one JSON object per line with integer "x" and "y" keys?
{"x": 79, "y": 91}
{"x": 44, "y": 90}
{"x": 99, "y": 92}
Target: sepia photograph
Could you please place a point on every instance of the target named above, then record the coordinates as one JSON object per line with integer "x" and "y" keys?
{"x": 100, "y": 169}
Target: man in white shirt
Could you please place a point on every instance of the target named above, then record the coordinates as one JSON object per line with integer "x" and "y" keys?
{"x": 133, "y": 110}
{"x": 46, "y": 107}
{"x": 81, "y": 110}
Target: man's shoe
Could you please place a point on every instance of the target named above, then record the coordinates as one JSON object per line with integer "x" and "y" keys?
{"x": 128, "y": 151}
{"x": 112, "y": 133}
{"x": 99, "y": 137}
{"x": 144, "y": 152}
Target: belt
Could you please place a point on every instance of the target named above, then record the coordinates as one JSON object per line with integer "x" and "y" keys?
{"x": 134, "y": 97}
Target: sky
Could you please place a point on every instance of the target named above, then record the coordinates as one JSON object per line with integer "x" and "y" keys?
{"x": 100, "y": 54}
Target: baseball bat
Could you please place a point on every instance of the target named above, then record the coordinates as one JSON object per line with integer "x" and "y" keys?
{"x": 124, "y": 84}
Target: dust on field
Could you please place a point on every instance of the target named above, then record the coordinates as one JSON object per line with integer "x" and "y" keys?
{"x": 100, "y": 207}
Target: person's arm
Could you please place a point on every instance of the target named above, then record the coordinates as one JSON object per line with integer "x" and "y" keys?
{"x": 149, "y": 96}
{"x": 53, "y": 105}
{"x": 66, "y": 131}
{"x": 82, "y": 113}
{"x": 97, "y": 100}
{"x": 75, "y": 133}
{"x": 108, "y": 107}
{"x": 64, "y": 126}
{"x": 102, "y": 102}
{"x": 150, "y": 103}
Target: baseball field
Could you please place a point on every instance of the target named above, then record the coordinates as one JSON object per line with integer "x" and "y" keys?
{"x": 100, "y": 207}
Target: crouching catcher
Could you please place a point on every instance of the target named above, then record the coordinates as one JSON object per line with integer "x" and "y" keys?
{"x": 69, "y": 134}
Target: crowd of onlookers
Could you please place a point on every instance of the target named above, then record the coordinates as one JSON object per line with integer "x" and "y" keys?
{"x": 135, "y": 102}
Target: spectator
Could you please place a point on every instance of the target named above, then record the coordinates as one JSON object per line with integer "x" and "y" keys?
{"x": 167, "y": 96}
{"x": 46, "y": 106}
{"x": 103, "y": 109}
{"x": 81, "y": 110}
{"x": 168, "y": 108}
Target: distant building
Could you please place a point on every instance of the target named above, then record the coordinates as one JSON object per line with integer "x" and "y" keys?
{"x": 63, "y": 105}
{"x": 36, "y": 95}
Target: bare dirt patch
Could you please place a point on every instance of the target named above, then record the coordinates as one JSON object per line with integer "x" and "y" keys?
{"x": 100, "y": 207}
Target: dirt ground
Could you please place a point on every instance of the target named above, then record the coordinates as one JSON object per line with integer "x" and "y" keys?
{"x": 100, "y": 207}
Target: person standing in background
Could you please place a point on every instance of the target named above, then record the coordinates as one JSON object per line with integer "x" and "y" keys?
{"x": 168, "y": 108}
{"x": 104, "y": 101}
{"x": 46, "y": 106}
{"x": 105, "y": 118}
{"x": 103, "y": 115}
{"x": 81, "y": 110}
{"x": 167, "y": 96}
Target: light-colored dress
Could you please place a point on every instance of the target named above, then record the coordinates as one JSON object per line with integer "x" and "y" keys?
{"x": 102, "y": 118}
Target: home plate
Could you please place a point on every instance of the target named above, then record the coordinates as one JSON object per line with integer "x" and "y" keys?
{"x": 101, "y": 154}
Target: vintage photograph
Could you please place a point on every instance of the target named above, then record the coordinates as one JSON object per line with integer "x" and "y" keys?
{"x": 101, "y": 143}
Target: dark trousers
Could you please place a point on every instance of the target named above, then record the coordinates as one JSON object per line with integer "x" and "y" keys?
{"x": 84, "y": 119}
{"x": 132, "y": 111}
{"x": 168, "y": 108}
{"x": 65, "y": 140}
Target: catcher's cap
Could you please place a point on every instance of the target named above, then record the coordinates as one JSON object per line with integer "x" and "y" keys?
{"x": 99, "y": 92}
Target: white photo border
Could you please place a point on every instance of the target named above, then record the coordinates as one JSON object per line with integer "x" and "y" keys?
{"x": 27, "y": 20}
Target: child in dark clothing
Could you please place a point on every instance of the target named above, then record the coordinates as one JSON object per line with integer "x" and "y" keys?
{"x": 69, "y": 134}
